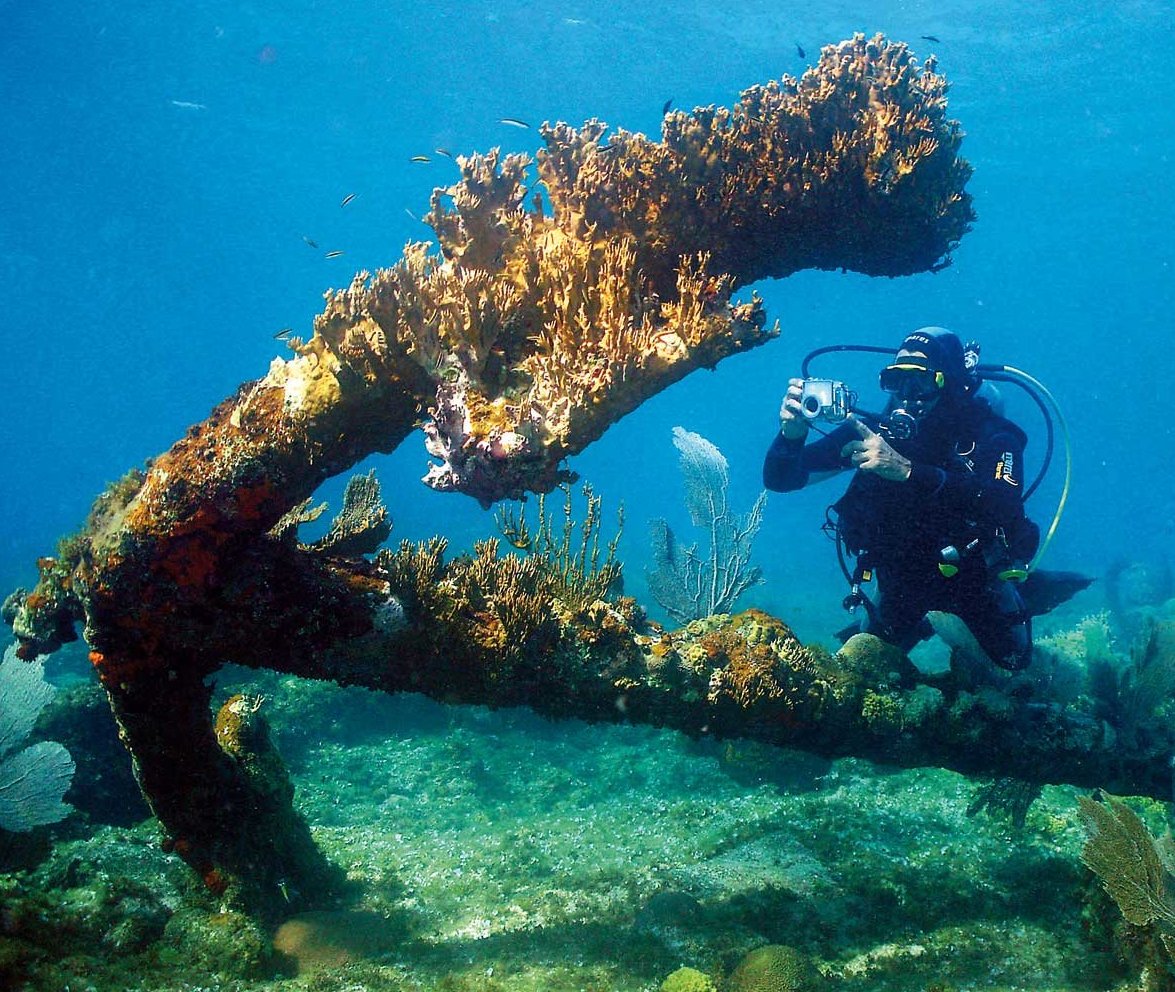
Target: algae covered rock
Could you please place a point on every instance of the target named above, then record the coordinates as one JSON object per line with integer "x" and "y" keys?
{"x": 775, "y": 968}
{"x": 225, "y": 944}
{"x": 688, "y": 980}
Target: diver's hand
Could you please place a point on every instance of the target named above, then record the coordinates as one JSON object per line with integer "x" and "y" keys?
{"x": 872, "y": 453}
{"x": 792, "y": 422}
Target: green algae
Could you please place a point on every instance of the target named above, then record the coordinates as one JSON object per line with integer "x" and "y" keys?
{"x": 515, "y": 854}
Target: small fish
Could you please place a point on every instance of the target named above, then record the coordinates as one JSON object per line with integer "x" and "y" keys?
{"x": 310, "y": 241}
{"x": 665, "y": 107}
{"x": 420, "y": 158}
{"x": 800, "y": 51}
{"x": 574, "y": 21}
{"x": 283, "y": 332}
{"x": 512, "y": 121}
{"x": 333, "y": 254}
{"x": 187, "y": 105}
{"x": 443, "y": 151}
{"x": 347, "y": 199}
{"x": 930, "y": 37}
{"x": 412, "y": 215}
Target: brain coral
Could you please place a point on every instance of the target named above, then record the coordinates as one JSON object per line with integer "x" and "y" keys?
{"x": 774, "y": 968}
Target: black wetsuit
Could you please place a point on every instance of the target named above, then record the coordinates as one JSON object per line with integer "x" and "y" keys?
{"x": 965, "y": 484}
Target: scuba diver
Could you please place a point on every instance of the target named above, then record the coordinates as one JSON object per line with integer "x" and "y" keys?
{"x": 935, "y": 508}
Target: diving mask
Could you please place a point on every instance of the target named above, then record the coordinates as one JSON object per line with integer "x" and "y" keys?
{"x": 912, "y": 382}
{"x": 915, "y": 389}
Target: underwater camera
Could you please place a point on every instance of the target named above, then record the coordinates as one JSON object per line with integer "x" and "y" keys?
{"x": 826, "y": 399}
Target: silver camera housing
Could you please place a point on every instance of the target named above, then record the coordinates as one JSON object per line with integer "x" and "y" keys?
{"x": 825, "y": 399}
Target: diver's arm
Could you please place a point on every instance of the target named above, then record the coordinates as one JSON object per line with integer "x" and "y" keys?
{"x": 872, "y": 453}
{"x": 791, "y": 464}
{"x": 958, "y": 486}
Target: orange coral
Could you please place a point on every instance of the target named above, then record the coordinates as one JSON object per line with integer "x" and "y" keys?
{"x": 752, "y": 184}
{"x": 190, "y": 562}
{"x": 751, "y": 660}
{"x": 123, "y": 670}
{"x": 748, "y": 674}
{"x": 535, "y": 333}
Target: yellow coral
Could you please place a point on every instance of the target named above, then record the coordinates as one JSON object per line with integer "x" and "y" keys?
{"x": 752, "y": 658}
{"x": 688, "y": 980}
{"x": 881, "y": 712}
{"x": 748, "y": 179}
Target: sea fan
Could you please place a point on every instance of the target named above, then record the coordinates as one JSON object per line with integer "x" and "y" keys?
{"x": 34, "y": 779}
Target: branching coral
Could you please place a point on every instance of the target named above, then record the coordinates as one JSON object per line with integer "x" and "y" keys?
{"x": 360, "y": 527}
{"x": 363, "y": 523}
{"x": 504, "y": 601}
{"x": 1147, "y": 686}
{"x": 496, "y": 617}
{"x": 588, "y": 570}
{"x": 1132, "y": 694}
{"x": 530, "y": 334}
{"x": 862, "y": 137}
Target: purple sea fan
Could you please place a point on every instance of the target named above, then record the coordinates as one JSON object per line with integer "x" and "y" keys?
{"x": 691, "y": 584}
{"x": 34, "y": 779}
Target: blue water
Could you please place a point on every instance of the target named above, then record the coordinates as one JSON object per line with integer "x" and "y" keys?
{"x": 161, "y": 164}
{"x": 161, "y": 167}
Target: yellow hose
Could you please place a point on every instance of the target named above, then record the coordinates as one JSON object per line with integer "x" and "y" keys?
{"x": 1048, "y": 537}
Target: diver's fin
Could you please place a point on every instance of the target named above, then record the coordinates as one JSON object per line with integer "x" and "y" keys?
{"x": 1045, "y": 590}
